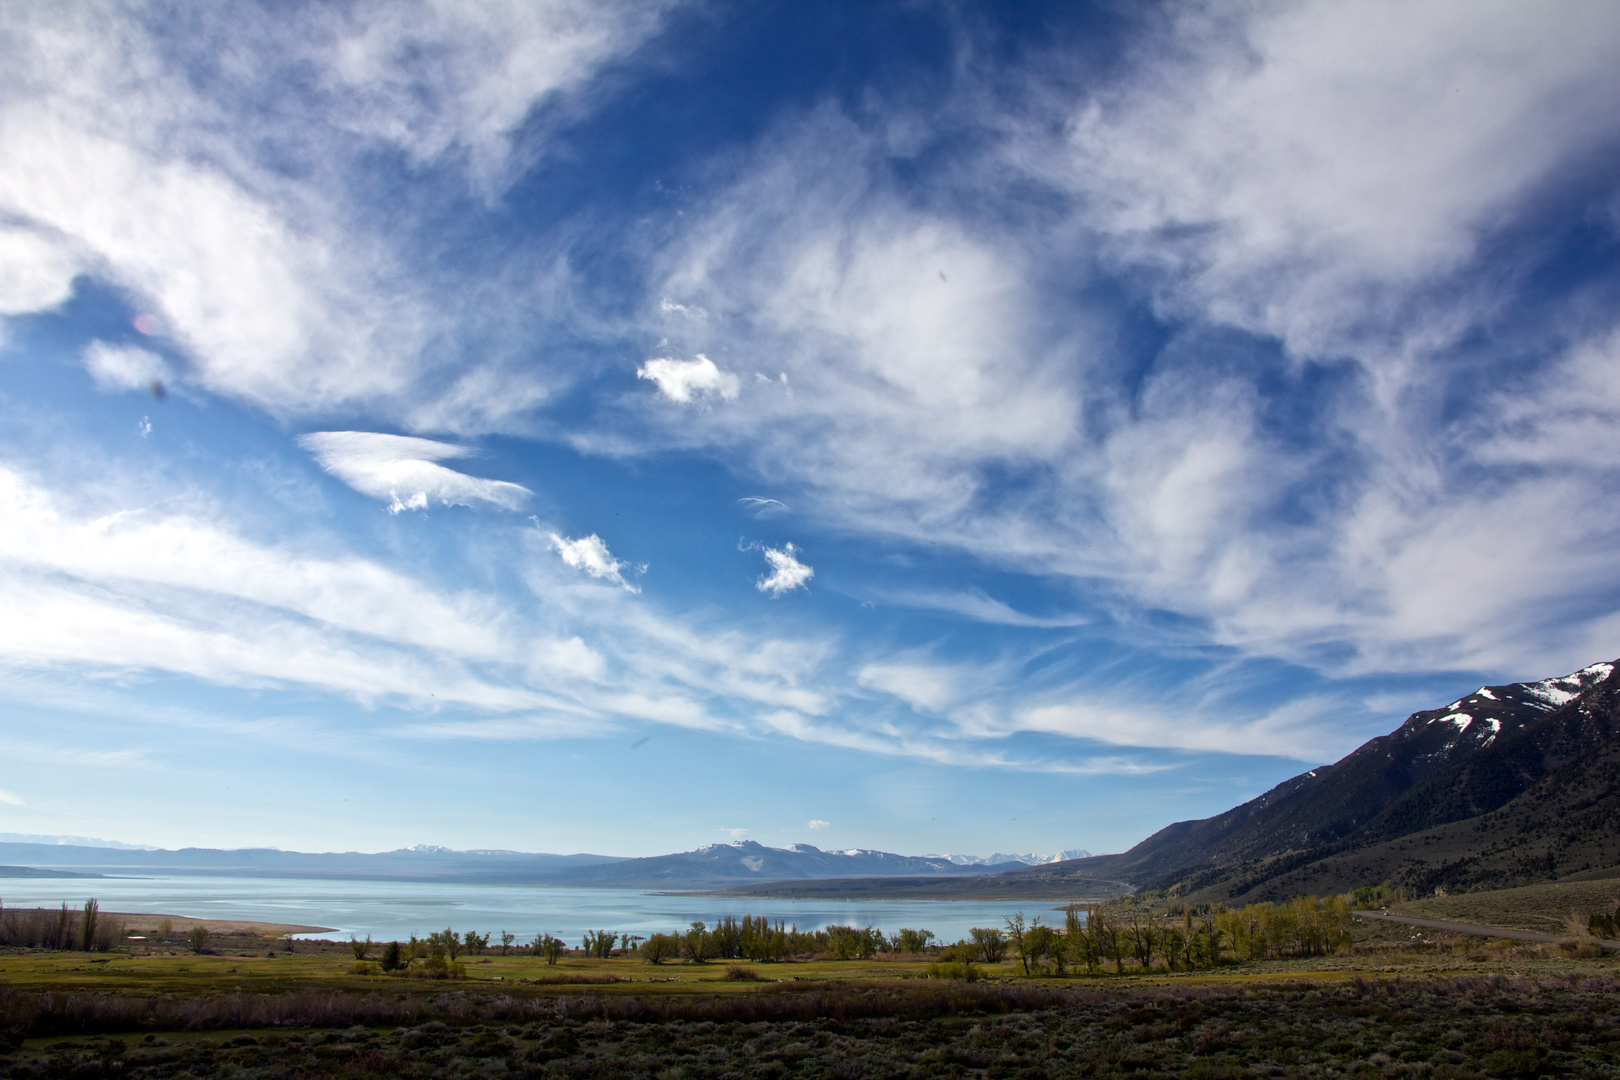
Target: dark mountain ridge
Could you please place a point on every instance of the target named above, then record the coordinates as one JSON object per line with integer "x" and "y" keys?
{"x": 1509, "y": 785}
{"x": 1538, "y": 741}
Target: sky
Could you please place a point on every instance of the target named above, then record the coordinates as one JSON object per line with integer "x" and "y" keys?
{"x": 933, "y": 427}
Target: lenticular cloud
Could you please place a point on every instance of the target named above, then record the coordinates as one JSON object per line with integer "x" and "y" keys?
{"x": 401, "y": 471}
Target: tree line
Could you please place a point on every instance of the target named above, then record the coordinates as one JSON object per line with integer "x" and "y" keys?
{"x": 86, "y": 930}
{"x": 1101, "y": 937}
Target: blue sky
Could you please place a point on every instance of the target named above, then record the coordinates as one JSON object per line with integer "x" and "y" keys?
{"x": 930, "y": 427}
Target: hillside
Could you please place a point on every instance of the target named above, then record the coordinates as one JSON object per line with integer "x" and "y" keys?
{"x": 1510, "y": 785}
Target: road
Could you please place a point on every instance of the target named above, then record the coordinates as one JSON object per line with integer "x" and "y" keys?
{"x": 1476, "y": 928}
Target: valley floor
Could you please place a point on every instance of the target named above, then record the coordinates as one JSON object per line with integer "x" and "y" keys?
{"x": 1401, "y": 1002}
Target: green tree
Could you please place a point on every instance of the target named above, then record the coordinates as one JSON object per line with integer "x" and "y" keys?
{"x": 393, "y": 957}
{"x": 359, "y": 948}
{"x": 696, "y": 943}
{"x": 549, "y": 947}
{"x": 660, "y": 947}
{"x": 197, "y": 938}
{"x": 88, "y": 925}
{"x": 990, "y": 943}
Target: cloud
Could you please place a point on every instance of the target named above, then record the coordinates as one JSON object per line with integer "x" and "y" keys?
{"x": 250, "y": 232}
{"x": 686, "y": 380}
{"x": 1296, "y": 169}
{"x": 928, "y": 687}
{"x": 36, "y": 273}
{"x": 11, "y": 798}
{"x": 589, "y": 555}
{"x": 787, "y": 572}
{"x": 817, "y": 823}
{"x": 125, "y": 367}
{"x": 401, "y": 470}
{"x": 735, "y": 834}
{"x": 762, "y": 507}
{"x": 974, "y": 604}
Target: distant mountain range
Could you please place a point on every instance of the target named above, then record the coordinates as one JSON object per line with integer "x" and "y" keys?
{"x": 1509, "y": 785}
{"x": 715, "y": 866}
{"x": 1002, "y": 859}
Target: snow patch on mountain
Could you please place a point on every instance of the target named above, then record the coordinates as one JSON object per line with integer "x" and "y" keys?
{"x": 1026, "y": 859}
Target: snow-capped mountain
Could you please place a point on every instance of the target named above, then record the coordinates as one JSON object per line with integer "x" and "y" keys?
{"x": 1346, "y": 824}
{"x": 745, "y": 861}
{"x": 1002, "y": 858}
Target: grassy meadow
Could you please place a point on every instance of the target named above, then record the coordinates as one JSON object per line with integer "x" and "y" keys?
{"x": 1385, "y": 1000}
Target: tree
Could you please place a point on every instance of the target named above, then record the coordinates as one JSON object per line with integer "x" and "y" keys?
{"x": 696, "y": 943}
{"x": 1022, "y": 940}
{"x": 87, "y": 928}
{"x": 913, "y": 941}
{"x": 549, "y": 947}
{"x": 197, "y": 938}
{"x": 1043, "y": 941}
{"x": 446, "y": 940}
{"x": 660, "y": 947}
{"x": 506, "y": 942}
{"x": 474, "y": 943}
{"x": 1144, "y": 936}
{"x": 600, "y": 943}
{"x": 393, "y": 957}
{"x": 359, "y": 948}
{"x": 990, "y": 943}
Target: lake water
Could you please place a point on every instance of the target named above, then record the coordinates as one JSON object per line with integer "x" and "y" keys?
{"x": 389, "y": 910}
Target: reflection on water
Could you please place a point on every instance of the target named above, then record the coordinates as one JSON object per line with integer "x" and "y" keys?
{"x": 391, "y": 909}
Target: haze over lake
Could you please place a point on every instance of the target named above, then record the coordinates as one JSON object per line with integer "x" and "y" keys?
{"x": 390, "y": 909}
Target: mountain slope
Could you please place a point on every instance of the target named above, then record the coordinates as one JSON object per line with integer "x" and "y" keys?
{"x": 1442, "y": 767}
{"x": 1508, "y": 785}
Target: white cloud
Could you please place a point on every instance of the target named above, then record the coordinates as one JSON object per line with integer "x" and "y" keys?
{"x": 787, "y": 572}
{"x": 735, "y": 834}
{"x": 1292, "y": 731}
{"x": 762, "y": 507}
{"x": 686, "y": 380}
{"x": 1322, "y": 174}
{"x": 36, "y": 274}
{"x": 125, "y": 367}
{"x": 401, "y": 471}
{"x": 11, "y": 798}
{"x": 590, "y": 555}
{"x": 1297, "y": 169}
{"x": 249, "y": 232}
{"x": 817, "y": 823}
{"x": 974, "y": 604}
{"x": 924, "y": 686}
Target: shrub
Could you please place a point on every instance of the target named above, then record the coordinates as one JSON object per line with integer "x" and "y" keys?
{"x": 953, "y": 969}
{"x": 738, "y": 973}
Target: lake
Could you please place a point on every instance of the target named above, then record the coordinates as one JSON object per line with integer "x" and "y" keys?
{"x": 389, "y": 910}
